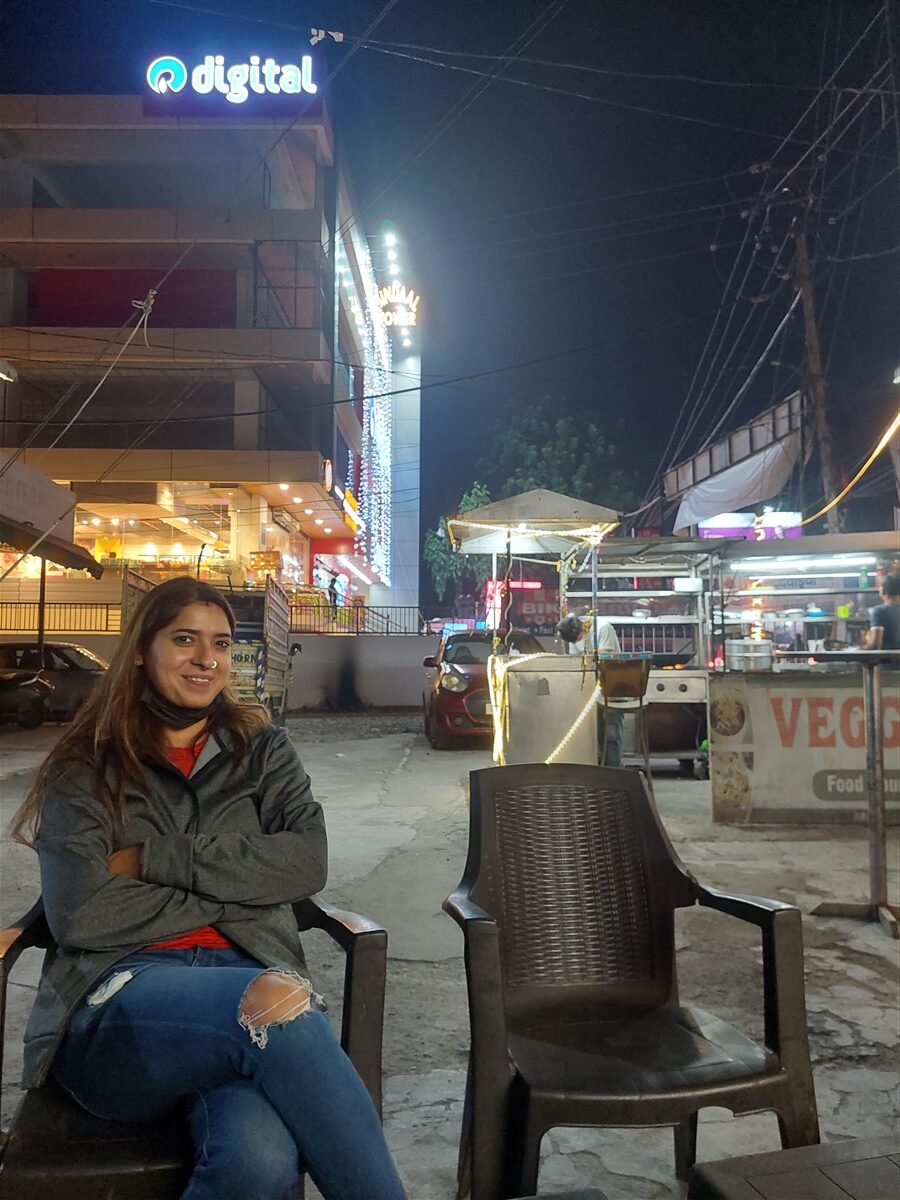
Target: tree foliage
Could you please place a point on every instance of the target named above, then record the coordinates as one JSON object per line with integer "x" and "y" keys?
{"x": 446, "y": 565}
{"x": 543, "y": 444}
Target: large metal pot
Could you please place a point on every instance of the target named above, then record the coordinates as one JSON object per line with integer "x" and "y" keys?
{"x": 748, "y": 654}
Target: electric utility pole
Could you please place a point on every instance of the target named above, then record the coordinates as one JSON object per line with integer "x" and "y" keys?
{"x": 820, "y": 424}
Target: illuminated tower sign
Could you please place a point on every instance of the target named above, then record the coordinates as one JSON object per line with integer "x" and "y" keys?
{"x": 237, "y": 82}
{"x": 399, "y": 305}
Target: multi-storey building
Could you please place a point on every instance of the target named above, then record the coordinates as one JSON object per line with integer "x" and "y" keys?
{"x": 250, "y": 424}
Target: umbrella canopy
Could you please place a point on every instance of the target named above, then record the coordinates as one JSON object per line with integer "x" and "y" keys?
{"x": 535, "y": 522}
{"x": 58, "y": 550}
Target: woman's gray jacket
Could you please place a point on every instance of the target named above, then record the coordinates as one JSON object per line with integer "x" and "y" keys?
{"x": 229, "y": 847}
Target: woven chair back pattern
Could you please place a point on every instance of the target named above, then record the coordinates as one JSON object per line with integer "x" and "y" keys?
{"x": 574, "y": 892}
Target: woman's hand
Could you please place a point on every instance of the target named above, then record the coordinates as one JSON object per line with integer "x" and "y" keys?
{"x": 126, "y": 861}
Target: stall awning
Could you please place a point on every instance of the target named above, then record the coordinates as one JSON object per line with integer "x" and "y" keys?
{"x": 56, "y": 550}
{"x": 534, "y": 522}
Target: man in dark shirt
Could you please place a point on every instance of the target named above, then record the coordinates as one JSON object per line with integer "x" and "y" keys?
{"x": 884, "y": 619}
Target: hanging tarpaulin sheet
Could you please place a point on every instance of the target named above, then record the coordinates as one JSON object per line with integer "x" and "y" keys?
{"x": 770, "y": 426}
{"x": 749, "y": 482}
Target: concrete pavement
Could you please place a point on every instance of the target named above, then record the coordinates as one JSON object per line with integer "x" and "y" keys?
{"x": 397, "y": 825}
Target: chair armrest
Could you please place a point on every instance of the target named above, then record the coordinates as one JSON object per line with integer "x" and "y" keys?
{"x": 784, "y": 991}
{"x": 753, "y": 909}
{"x": 339, "y": 924}
{"x": 362, "y": 1021}
{"x": 30, "y": 930}
{"x": 462, "y": 909}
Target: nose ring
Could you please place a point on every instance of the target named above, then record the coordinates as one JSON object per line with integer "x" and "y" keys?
{"x": 213, "y": 665}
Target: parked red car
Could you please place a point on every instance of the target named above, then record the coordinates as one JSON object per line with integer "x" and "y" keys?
{"x": 456, "y": 699}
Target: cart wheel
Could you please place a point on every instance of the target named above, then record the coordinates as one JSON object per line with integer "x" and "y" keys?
{"x": 687, "y": 768}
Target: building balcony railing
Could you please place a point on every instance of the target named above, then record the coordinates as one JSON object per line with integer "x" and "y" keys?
{"x": 21, "y": 616}
{"x": 70, "y": 618}
{"x": 357, "y": 618}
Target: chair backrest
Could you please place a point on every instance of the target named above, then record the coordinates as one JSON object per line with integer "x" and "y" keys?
{"x": 574, "y": 865}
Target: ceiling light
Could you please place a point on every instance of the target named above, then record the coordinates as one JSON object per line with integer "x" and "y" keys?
{"x": 131, "y": 522}
{"x": 390, "y": 239}
{"x": 308, "y": 511}
{"x": 407, "y": 342}
{"x": 95, "y": 520}
{"x": 85, "y": 522}
{"x": 327, "y": 529}
{"x": 296, "y": 499}
{"x": 115, "y": 520}
{"x": 269, "y": 528}
{"x": 394, "y": 269}
{"x": 319, "y": 521}
{"x": 392, "y": 255}
{"x": 178, "y": 548}
{"x": 284, "y": 486}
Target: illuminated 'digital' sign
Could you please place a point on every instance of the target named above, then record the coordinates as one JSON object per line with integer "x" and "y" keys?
{"x": 399, "y": 305}
{"x": 170, "y": 75}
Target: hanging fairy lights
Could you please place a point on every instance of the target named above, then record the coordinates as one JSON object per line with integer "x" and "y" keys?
{"x": 373, "y": 537}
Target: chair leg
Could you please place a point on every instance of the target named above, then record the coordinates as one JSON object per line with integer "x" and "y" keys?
{"x": 464, "y": 1162}
{"x": 685, "y": 1146}
{"x": 798, "y": 1120}
{"x": 524, "y": 1161}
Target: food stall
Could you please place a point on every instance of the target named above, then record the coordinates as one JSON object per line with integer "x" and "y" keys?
{"x": 787, "y": 736}
{"x": 656, "y": 593}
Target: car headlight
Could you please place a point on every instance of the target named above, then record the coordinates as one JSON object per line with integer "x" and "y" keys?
{"x": 453, "y": 682}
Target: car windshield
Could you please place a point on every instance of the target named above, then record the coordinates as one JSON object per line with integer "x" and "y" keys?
{"x": 86, "y": 659}
{"x": 467, "y": 651}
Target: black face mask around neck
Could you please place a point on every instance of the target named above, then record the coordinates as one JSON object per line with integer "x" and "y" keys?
{"x": 176, "y": 716}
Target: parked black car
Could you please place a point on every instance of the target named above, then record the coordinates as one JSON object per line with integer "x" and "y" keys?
{"x": 69, "y": 672}
{"x": 23, "y": 698}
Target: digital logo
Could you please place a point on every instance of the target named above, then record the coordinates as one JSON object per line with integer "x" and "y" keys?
{"x": 167, "y": 75}
{"x": 236, "y": 82}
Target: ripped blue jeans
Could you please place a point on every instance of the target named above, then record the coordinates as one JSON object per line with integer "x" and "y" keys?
{"x": 268, "y": 1098}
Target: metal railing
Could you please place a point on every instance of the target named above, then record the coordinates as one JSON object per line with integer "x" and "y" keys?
{"x": 21, "y": 616}
{"x": 357, "y": 618}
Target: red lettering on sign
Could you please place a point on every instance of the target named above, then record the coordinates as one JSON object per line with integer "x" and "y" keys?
{"x": 821, "y": 724}
{"x": 891, "y": 705}
{"x": 852, "y": 729}
{"x": 787, "y": 726}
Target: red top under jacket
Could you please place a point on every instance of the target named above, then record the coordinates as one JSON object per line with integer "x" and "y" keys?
{"x": 184, "y": 758}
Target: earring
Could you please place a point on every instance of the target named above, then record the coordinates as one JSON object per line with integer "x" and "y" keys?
{"x": 138, "y": 662}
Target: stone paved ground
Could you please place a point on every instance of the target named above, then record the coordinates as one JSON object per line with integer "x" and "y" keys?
{"x": 397, "y": 823}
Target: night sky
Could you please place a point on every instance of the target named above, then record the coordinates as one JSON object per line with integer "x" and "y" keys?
{"x": 543, "y": 224}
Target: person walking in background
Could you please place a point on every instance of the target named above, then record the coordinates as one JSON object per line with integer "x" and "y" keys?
{"x": 333, "y": 594}
{"x": 175, "y": 826}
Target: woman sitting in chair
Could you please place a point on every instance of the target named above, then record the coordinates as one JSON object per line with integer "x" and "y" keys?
{"x": 175, "y": 826}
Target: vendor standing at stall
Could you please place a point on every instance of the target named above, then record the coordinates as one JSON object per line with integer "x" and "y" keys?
{"x": 591, "y": 633}
{"x": 884, "y": 619}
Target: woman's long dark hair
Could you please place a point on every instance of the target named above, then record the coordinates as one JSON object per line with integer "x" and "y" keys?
{"x": 113, "y": 730}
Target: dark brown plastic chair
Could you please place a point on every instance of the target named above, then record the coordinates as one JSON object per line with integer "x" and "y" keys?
{"x": 567, "y": 907}
{"x": 54, "y": 1149}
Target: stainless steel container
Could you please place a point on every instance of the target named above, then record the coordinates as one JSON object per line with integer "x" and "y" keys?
{"x": 748, "y": 654}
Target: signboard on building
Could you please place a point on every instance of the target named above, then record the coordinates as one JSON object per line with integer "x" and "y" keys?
{"x": 790, "y": 748}
{"x": 213, "y": 84}
{"x": 400, "y": 305}
{"x": 754, "y": 527}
